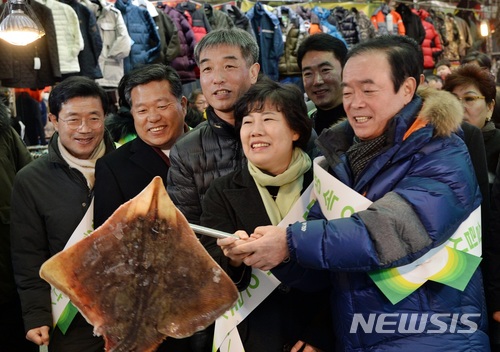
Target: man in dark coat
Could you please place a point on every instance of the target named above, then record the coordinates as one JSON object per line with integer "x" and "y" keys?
{"x": 51, "y": 196}
{"x": 321, "y": 58}
{"x": 154, "y": 94}
{"x": 13, "y": 156}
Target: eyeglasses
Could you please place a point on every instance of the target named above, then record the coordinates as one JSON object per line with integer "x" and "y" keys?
{"x": 470, "y": 99}
{"x": 75, "y": 124}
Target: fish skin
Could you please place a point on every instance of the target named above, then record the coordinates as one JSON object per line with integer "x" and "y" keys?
{"x": 142, "y": 276}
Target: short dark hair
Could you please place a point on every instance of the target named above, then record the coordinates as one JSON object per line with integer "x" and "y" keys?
{"x": 431, "y": 77}
{"x": 233, "y": 37}
{"x": 470, "y": 74}
{"x": 482, "y": 59}
{"x": 75, "y": 87}
{"x": 147, "y": 74}
{"x": 194, "y": 95}
{"x": 322, "y": 42}
{"x": 403, "y": 54}
{"x": 287, "y": 98}
{"x": 443, "y": 62}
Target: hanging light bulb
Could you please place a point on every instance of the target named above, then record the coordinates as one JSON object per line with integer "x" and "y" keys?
{"x": 484, "y": 28}
{"x": 19, "y": 24}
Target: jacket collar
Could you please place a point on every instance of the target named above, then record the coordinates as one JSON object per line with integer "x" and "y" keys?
{"x": 219, "y": 126}
{"x": 146, "y": 157}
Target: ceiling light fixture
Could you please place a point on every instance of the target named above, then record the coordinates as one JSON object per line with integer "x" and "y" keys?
{"x": 19, "y": 24}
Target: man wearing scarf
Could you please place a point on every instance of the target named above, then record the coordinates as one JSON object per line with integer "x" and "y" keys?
{"x": 50, "y": 198}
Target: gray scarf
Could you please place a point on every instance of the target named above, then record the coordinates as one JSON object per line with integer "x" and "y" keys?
{"x": 360, "y": 153}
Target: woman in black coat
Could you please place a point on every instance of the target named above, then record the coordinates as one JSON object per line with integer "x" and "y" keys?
{"x": 274, "y": 130}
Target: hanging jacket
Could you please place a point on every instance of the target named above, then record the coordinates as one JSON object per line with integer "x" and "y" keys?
{"x": 310, "y": 18}
{"x": 169, "y": 41}
{"x": 69, "y": 38}
{"x": 431, "y": 46}
{"x": 239, "y": 19}
{"x": 379, "y": 21}
{"x": 466, "y": 38}
{"x": 184, "y": 63}
{"x": 200, "y": 24}
{"x": 413, "y": 24}
{"x": 451, "y": 51}
{"x": 269, "y": 38}
{"x": 142, "y": 29}
{"x": 366, "y": 30}
{"x": 170, "y": 45}
{"x": 89, "y": 56}
{"x": 17, "y": 63}
{"x": 466, "y": 10}
{"x": 346, "y": 24}
{"x": 294, "y": 32}
{"x": 217, "y": 18}
{"x": 437, "y": 18}
{"x": 328, "y": 23}
{"x": 116, "y": 44}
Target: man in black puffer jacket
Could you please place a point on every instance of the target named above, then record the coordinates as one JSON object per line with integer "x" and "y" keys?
{"x": 228, "y": 61}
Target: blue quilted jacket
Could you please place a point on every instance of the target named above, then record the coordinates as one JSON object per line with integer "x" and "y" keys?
{"x": 141, "y": 28}
{"x": 422, "y": 187}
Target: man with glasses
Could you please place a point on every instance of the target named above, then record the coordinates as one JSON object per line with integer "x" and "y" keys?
{"x": 51, "y": 196}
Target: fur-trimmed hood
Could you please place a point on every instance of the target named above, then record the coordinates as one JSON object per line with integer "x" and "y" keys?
{"x": 442, "y": 110}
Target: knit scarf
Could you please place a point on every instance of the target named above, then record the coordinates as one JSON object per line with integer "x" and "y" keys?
{"x": 361, "y": 152}
{"x": 85, "y": 166}
{"x": 289, "y": 183}
{"x": 488, "y": 126}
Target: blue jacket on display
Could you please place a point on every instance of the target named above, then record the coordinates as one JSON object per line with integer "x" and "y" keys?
{"x": 141, "y": 28}
{"x": 266, "y": 27}
{"x": 328, "y": 23}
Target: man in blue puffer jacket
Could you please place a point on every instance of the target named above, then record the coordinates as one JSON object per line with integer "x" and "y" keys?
{"x": 405, "y": 157}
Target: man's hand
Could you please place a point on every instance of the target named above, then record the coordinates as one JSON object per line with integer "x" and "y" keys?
{"x": 301, "y": 346}
{"x": 496, "y": 316}
{"x": 266, "y": 248}
{"x": 39, "y": 336}
{"x": 228, "y": 244}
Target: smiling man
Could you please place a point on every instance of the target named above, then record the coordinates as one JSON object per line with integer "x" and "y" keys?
{"x": 50, "y": 197}
{"x": 321, "y": 58}
{"x": 154, "y": 94}
{"x": 228, "y": 61}
{"x": 402, "y": 154}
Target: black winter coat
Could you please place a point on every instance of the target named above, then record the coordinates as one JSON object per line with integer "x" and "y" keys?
{"x": 123, "y": 174}
{"x": 233, "y": 203}
{"x": 209, "y": 151}
{"x": 49, "y": 199}
{"x": 88, "y": 58}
